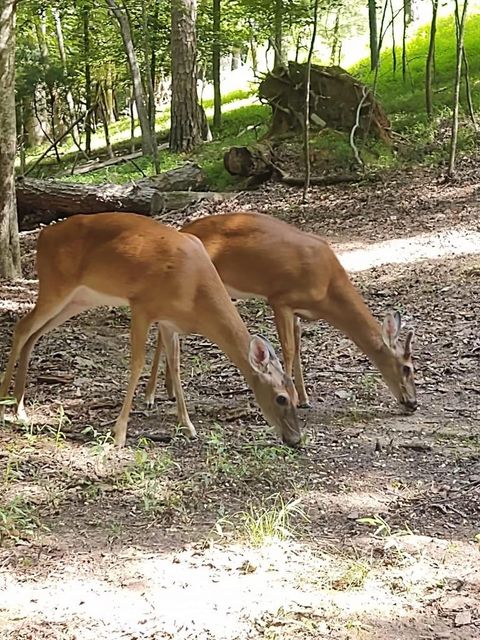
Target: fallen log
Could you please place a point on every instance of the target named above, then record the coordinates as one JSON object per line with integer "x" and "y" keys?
{"x": 95, "y": 165}
{"x": 43, "y": 201}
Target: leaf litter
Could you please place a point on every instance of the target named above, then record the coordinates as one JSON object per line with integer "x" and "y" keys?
{"x": 147, "y": 542}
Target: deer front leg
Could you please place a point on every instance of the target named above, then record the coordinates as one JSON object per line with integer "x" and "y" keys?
{"x": 303, "y": 400}
{"x": 138, "y": 331}
{"x": 284, "y": 321}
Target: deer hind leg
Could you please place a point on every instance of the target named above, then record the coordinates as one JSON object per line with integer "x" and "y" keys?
{"x": 139, "y": 328}
{"x": 172, "y": 348}
{"x": 72, "y": 309}
{"x": 40, "y": 315}
{"x": 303, "y": 400}
{"x": 152, "y": 381}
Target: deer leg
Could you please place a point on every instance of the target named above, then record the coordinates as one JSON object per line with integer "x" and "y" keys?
{"x": 40, "y": 315}
{"x": 72, "y": 309}
{"x": 284, "y": 321}
{"x": 172, "y": 348}
{"x": 152, "y": 381}
{"x": 139, "y": 328}
{"x": 297, "y": 366}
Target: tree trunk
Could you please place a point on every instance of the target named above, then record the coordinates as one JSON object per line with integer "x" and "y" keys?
{"x": 88, "y": 79}
{"x": 394, "y": 46}
{"x": 216, "y": 54}
{"x": 430, "y": 57}
{"x": 404, "y": 41}
{"x": 149, "y": 83}
{"x": 147, "y": 145}
{"x": 186, "y": 127}
{"x": 335, "y": 40}
{"x": 153, "y": 57}
{"x": 460, "y": 32}
{"x": 278, "y": 35}
{"x": 102, "y": 102}
{"x": 372, "y": 23}
{"x": 306, "y": 123}
{"x": 10, "y": 266}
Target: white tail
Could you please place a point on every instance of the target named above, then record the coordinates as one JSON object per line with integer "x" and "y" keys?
{"x": 164, "y": 276}
{"x": 300, "y": 276}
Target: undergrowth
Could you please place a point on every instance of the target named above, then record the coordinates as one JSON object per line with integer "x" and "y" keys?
{"x": 245, "y": 120}
{"x": 408, "y": 97}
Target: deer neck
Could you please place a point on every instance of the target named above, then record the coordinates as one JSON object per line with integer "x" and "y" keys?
{"x": 230, "y": 334}
{"x": 349, "y": 313}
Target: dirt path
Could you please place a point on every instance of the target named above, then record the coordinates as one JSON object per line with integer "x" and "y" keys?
{"x": 371, "y": 531}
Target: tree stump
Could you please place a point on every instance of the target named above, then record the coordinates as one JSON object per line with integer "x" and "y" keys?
{"x": 335, "y": 97}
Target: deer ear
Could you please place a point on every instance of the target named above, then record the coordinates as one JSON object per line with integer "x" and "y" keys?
{"x": 391, "y": 329}
{"x": 407, "y": 352}
{"x": 259, "y": 354}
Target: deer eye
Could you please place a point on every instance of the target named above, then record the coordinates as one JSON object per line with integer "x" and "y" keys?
{"x": 281, "y": 400}
{"x": 407, "y": 371}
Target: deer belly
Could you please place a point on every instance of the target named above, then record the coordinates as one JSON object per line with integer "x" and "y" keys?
{"x": 243, "y": 295}
{"x": 87, "y": 297}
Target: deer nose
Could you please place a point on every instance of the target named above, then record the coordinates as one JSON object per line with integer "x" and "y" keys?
{"x": 292, "y": 441}
{"x": 410, "y": 405}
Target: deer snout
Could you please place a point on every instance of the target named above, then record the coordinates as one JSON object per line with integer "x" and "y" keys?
{"x": 410, "y": 405}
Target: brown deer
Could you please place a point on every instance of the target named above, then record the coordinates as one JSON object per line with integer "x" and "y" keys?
{"x": 164, "y": 276}
{"x": 299, "y": 275}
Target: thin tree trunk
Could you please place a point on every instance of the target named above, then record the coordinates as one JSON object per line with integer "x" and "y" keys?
{"x": 186, "y": 127}
{"x": 335, "y": 41}
{"x": 10, "y": 266}
{"x": 126, "y": 33}
{"x": 430, "y": 58}
{"x": 394, "y": 52}
{"x": 404, "y": 42}
{"x": 253, "y": 48}
{"x": 153, "y": 57}
{"x": 102, "y": 101}
{"x": 278, "y": 35}
{"x": 216, "y": 54}
{"x": 132, "y": 124}
{"x": 150, "y": 89}
{"x": 468, "y": 90}
{"x": 460, "y": 32}
{"x": 306, "y": 126}
{"x": 88, "y": 79}
{"x": 372, "y": 23}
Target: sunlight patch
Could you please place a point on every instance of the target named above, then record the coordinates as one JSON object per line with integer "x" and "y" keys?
{"x": 406, "y": 250}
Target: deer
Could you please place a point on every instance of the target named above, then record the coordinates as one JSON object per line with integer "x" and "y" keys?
{"x": 300, "y": 277}
{"x": 164, "y": 276}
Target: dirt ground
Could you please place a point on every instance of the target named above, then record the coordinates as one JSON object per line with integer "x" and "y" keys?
{"x": 372, "y": 530}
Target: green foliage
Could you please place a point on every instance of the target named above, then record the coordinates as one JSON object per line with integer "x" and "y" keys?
{"x": 409, "y": 97}
{"x": 272, "y": 519}
{"x": 18, "y": 521}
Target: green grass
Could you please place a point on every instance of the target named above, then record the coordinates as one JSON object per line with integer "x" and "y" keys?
{"x": 242, "y": 124}
{"x": 18, "y": 521}
{"x": 409, "y": 97}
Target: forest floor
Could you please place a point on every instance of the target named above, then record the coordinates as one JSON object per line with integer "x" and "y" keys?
{"x": 371, "y": 531}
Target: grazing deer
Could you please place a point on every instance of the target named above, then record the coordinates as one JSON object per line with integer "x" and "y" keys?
{"x": 119, "y": 259}
{"x": 299, "y": 275}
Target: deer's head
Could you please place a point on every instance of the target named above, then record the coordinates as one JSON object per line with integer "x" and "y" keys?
{"x": 399, "y": 373}
{"x": 274, "y": 391}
